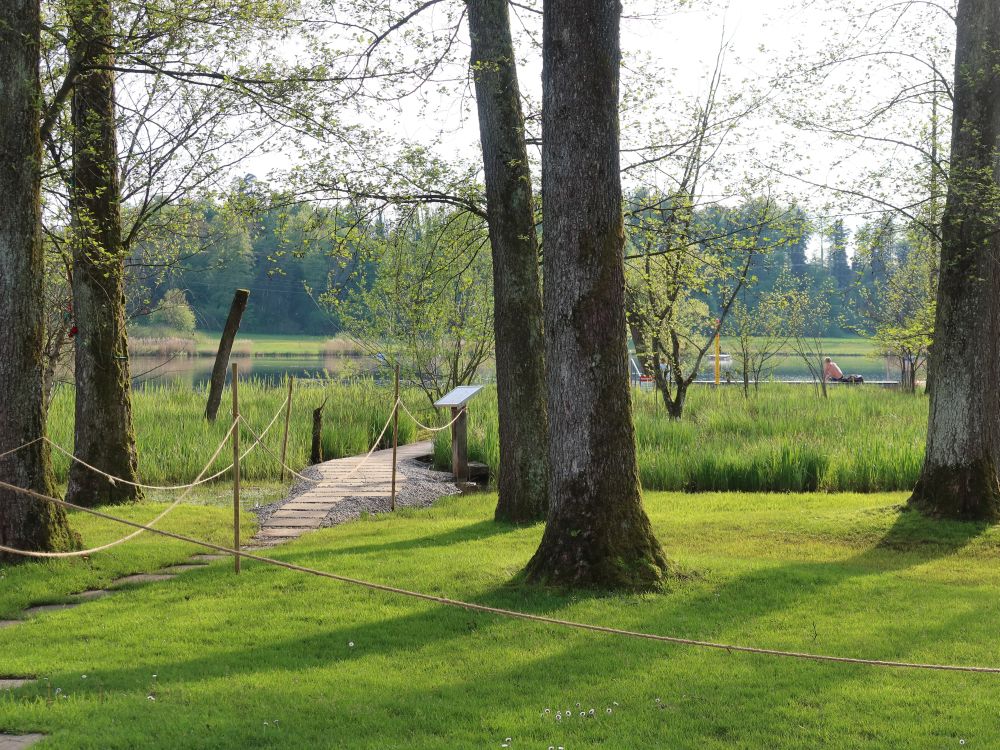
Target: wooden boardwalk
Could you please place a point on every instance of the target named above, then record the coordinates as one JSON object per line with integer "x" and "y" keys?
{"x": 339, "y": 479}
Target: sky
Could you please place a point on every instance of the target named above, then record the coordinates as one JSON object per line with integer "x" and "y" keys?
{"x": 677, "y": 50}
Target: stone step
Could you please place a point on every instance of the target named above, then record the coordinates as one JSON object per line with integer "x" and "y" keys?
{"x": 183, "y": 568}
{"x": 292, "y": 523}
{"x": 12, "y": 683}
{"x": 41, "y": 609}
{"x": 328, "y": 495}
{"x": 299, "y": 514}
{"x": 92, "y": 594}
{"x": 19, "y": 741}
{"x": 207, "y": 557}
{"x": 277, "y": 532}
{"x": 142, "y": 578}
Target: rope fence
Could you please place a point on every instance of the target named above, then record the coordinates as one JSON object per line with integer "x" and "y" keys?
{"x": 427, "y": 427}
{"x": 351, "y": 473}
{"x": 507, "y": 613}
{"x": 128, "y": 537}
{"x": 200, "y": 479}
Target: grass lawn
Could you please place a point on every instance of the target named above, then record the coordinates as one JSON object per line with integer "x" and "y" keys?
{"x": 265, "y": 659}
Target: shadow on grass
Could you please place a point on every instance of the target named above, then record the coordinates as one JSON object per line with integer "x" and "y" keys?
{"x": 475, "y": 532}
{"x": 703, "y": 612}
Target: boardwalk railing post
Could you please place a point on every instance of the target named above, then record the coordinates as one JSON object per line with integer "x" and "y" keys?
{"x": 395, "y": 440}
{"x": 288, "y": 416}
{"x": 236, "y": 469}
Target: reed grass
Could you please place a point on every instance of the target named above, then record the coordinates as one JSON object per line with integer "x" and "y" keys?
{"x": 785, "y": 439}
{"x": 162, "y": 346}
{"x": 174, "y": 440}
{"x": 341, "y": 346}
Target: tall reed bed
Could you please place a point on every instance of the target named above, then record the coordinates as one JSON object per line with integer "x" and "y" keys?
{"x": 784, "y": 439}
{"x": 174, "y": 439}
{"x": 162, "y": 346}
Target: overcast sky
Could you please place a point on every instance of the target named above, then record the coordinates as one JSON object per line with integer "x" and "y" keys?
{"x": 678, "y": 49}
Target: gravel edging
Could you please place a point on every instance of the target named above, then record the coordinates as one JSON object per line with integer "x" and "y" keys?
{"x": 423, "y": 486}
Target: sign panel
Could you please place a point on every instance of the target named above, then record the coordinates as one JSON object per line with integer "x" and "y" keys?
{"x": 459, "y": 396}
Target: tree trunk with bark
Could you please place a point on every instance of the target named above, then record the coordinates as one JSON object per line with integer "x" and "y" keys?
{"x": 598, "y": 534}
{"x": 104, "y": 435}
{"x": 959, "y": 477}
{"x": 520, "y": 357}
{"x": 25, "y": 522}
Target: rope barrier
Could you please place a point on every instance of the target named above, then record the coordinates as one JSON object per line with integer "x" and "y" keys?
{"x": 21, "y": 447}
{"x": 509, "y": 613}
{"x": 171, "y": 488}
{"x": 426, "y": 427}
{"x": 128, "y": 537}
{"x": 351, "y": 473}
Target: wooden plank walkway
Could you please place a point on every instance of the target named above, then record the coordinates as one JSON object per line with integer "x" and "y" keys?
{"x": 338, "y": 479}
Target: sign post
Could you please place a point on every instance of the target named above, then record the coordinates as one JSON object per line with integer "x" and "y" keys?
{"x": 457, "y": 400}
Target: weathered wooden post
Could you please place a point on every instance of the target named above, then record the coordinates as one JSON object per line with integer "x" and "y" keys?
{"x": 395, "y": 440}
{"x": 457, "y": 400}
{"x": 236, "y": 469}
{"x": 460, "y": 443}
{"x": 222, "y": 355}
{"x": 316, "y": 454}
{"x": 288, "y": 416}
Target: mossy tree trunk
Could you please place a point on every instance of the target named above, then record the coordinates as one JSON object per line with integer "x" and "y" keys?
{"x": 25, "y": 522}
{"x": 104, "y": 434}
{"x": 598, "y": 534}
{"x": 520, "y": 356}
{"x": 959, "y": 477}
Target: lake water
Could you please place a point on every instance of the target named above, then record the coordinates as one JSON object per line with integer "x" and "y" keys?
{"x": 196, "y": 371}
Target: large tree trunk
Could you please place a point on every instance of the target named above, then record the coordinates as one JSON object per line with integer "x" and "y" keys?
{"x": 520, "y": 356}
{"x": 959, "y": 478}
{"x": 103, "y": 436}
{"x": 25, "y": 523}
{"x": 597, "y": 534}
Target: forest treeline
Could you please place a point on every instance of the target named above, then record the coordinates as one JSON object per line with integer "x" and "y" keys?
{"x": 296, "y": 257}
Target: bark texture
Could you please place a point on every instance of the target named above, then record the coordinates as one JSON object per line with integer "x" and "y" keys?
{"x": 25, "y": 523}
{"x": 959, "y": 477}
{"x": 103, "y": 435}
{"x": 218, "y": 380}
{"x": 520, "y": 354}
{"x": 598, "y": 534}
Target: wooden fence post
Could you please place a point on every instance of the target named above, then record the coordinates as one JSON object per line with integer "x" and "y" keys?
{"x": 395, "y": 440}
{"x": 222, "y": 355}
{"x": 288, "y": 416}
{"x": 316, "y": 454}
{"x": 236, "y": 469}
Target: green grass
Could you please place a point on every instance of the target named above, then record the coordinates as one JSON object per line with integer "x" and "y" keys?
{"x": 263, "y": 659}
{"x": 785, "y": 439}
{"x": 174, "y": 439}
